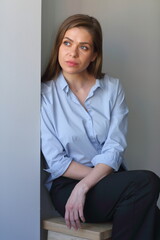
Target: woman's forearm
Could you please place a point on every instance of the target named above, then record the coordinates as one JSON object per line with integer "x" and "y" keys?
{"x": 88, "y": 176}
{"x": 94, "y": 176}
{"x": 77, "y": 171}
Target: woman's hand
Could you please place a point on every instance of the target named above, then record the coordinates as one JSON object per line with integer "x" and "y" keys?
{"x": 74, "y": 207}
{"x": 75, "y": 204}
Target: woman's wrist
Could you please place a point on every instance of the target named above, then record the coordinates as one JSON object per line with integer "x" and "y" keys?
{"x": 97, "y": 173}
{"x": 83, "y": 186}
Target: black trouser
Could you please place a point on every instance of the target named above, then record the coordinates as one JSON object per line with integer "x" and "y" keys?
{"x": 127, "y": 198}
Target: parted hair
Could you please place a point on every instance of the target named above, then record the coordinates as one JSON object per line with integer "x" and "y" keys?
{"x": 93, "y": 27}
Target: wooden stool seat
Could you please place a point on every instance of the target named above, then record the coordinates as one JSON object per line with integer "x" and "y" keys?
{"x": 57, "y": 230}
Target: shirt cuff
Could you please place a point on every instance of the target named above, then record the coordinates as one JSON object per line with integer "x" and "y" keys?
{"x": 57, "y": 171}
{"x": 111, "y": 159}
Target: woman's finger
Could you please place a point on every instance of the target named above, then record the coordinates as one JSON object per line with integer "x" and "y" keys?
{"x": 67, "y": 219}
{"x": 72, "y": 220}
{"x": 81, "y": 215}
{"x": 77, "y": 220}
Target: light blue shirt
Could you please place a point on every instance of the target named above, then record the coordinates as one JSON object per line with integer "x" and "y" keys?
{"x": 89, "y": 136}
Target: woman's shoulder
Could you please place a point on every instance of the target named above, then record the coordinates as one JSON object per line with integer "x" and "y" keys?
{"x": 46, "y": 87}
{"x": 109, "y": 79}
{"x": 47, "y": 92}
{"x": 110, "y": 82}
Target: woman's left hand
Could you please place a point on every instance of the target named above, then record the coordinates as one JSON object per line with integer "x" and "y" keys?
{"x": 74, "y": 207}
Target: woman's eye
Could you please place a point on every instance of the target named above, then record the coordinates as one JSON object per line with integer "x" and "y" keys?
{"x": 84, "y": 48}
{"x": 66, "y": 43}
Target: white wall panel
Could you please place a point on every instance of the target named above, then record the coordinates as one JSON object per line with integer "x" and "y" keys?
{"x": 20, "y": 55}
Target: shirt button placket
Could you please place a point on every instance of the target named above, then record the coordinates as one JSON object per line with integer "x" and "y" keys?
{"x": 91, "y": 130}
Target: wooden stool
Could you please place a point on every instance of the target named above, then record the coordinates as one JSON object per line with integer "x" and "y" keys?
{"x": 57, "y": 230}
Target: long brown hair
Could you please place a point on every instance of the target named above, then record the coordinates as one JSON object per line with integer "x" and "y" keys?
{"x": 93, "y": 27}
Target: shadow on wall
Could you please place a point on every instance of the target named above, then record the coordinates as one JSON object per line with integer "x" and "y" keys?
{"x": 47, "y": 209}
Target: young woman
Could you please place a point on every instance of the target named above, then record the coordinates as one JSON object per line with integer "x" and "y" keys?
{"x": 83, "y": 139}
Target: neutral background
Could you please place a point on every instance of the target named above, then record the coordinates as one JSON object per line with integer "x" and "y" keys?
{"x": 131, "y": 53}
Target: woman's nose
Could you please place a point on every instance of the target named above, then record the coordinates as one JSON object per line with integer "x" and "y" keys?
{"x": 74, "y": 51}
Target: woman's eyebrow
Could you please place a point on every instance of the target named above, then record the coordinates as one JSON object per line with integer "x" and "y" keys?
{"x": 68, "y": 39}
{"x": 80, "y": 42}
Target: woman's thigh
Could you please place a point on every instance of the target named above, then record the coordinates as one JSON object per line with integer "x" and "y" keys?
{"x": 103, "y": 199}
{"x": 119, "y": 189}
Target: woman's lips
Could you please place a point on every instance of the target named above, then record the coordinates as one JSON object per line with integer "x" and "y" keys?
{"x": 71, "y": 63}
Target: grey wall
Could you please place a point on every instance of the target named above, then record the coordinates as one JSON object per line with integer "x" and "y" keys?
{"x": 20, "y": 54}
{"x": 131, "y": 53}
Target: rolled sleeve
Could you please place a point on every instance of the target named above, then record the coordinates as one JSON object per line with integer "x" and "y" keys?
{"x": 112, "y": 153}
{"x": 112, "y": 159}
{"x": 56, "y": 158}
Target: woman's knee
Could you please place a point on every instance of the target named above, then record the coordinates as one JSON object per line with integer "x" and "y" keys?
{"x": 153, "y": 181}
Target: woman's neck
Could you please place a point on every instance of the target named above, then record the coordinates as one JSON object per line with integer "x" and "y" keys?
{"x": 79, "y": 81}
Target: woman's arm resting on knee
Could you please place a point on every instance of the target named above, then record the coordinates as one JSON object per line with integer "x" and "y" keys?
{"x": 99, "y": 171}
{"x": 75, "y": 203}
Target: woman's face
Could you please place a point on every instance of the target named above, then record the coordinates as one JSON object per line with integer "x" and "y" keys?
{"x": 76, "y": 51}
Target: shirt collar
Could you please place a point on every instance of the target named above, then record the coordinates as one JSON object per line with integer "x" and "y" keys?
{"x": 63, "y": 83}
{"x": 99, "y": 83}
